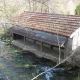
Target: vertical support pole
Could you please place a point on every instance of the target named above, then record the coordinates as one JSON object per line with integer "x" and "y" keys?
{"x": 12, "y": 36}
{"x": 34, "y": 41}
{"x": 51, "y": 46}
{"x": 64, "y": 54}
{"x": 24, "y": 40}
{"x": 41, "y": 46}
{"x": 24, "y": 46}
{"x": 65, "y": 49}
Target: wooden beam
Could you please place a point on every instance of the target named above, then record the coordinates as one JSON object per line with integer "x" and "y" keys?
{"x": 41, "y": 46}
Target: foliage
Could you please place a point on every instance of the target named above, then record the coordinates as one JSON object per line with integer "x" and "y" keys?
{"x": 7, "y": 11}
{"x": 4, "y": 37}
{"x": 1, "y": 30}
{"x": 77, "y": 10}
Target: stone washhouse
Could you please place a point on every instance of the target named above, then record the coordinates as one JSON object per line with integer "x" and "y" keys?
{"x": 43, "y": 34}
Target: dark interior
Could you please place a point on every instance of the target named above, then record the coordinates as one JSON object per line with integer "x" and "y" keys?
{"x": 16, "y": 36}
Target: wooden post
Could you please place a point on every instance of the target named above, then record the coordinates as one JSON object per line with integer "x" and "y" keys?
{"x": 12, "y": 36}
{"x": 64, "y": 54}
{"x": 41, "y": 46}
{"x": 34, "y": 41}
{"x": 65, "y": 49}
{"x": 24, "y": 40}
{"x": 51, "y": 46}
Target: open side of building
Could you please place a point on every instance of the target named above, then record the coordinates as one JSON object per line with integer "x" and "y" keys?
{"x": 41, "y": 32}
{"x": 39, "y": 42}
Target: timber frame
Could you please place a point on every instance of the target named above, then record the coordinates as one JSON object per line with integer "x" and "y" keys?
{"x": 41, "y": 44}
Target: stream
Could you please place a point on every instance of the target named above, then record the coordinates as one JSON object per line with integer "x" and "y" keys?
{"x": 15, "y": 65}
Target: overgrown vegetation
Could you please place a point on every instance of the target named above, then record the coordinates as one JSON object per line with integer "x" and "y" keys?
{"x": 4, "y": 37}
{"x": 77, "y": 10}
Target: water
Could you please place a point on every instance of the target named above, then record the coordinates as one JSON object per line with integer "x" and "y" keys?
{"x": 25, "y": 66}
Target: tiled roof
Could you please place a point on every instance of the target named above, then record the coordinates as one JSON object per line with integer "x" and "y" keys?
{"x": 54, "y": 23}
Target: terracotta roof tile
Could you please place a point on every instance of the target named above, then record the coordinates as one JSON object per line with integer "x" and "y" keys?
{"x": 53, "y": 23}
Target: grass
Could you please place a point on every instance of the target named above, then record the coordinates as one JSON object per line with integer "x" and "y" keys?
{"x": 15, "y": 79}
{"x": 2, "y": 65}
{"x": 4, "y": 37}
{"x": 7, "y": 72}
{"x": 1, "y": 31}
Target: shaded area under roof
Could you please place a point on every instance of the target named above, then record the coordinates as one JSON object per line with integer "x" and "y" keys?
{"x": 38, "y": 35}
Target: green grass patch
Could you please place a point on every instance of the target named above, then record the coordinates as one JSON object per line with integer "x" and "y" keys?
{"x": 1, "y": 30}
{"x": 23, "y": 76}
{"x": 7, "y": 72}
{"x": 4, "y": 37}
{"x": 15, "y": 79}
{"x": 2, "y": 65}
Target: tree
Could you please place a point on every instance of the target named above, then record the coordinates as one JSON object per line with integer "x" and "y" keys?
{"x": 7, "y": 11}
{"x": 77, "y": 10}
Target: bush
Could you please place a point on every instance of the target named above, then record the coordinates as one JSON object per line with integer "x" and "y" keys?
{"x": 77, "y": 10}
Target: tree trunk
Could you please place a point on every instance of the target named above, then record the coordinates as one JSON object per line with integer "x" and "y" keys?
{"x": 29, "y": 4}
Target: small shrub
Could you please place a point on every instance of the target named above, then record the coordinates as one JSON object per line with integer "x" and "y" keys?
{"x": 77, "y": 10}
